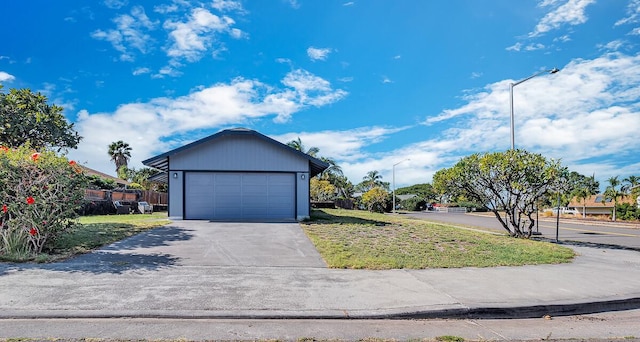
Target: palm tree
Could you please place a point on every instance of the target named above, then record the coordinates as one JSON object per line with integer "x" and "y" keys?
{"x": 612, "y": 192}
{"x": 334, "y": 170}
{"x": 372, "y": 179}
{"x": 297, "y": 145}
{"x": 120, "y": 153}
{"x": 631, "y": 186}
{"x": 582, "y": 194}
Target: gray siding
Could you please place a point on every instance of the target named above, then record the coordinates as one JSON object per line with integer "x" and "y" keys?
{"x": 176, "y": 189}
{"x": 302, "y": 196}
{"x": 238, "y": 153}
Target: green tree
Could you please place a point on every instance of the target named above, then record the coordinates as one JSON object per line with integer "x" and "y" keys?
{"x": 574, "y": 182}
{"x": 510, "y": 182}
{"x": 371, "y": 180}
{"x": 424, "y": 191}
{"x": 332, "y": 172}
{"x": 613, "y": 192}
{"x": 631, "y": 186}
{"x": 40, "y": 193}
{"x": 375, "y": 199}
{"x": 344, "y": 187}
{"x": 27, "y": 118}
{"x": 120, "y": 153}
{"x": 141, "y": 177}
{"x": 297, "y": 145}
{"x": 321, "y": 190}
{"x": 98, "y": 183}
{"x": 581, "y": 194}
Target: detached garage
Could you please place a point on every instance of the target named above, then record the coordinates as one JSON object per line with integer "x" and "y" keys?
{"x": 238, "y": 175}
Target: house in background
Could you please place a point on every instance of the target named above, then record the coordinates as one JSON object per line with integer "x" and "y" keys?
{"x": 239, "y": 175}
{"x": 121, "y": 183}
{"x": 593, "y": 205}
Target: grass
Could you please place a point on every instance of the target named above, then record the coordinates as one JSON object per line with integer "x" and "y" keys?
{"x": 94, "y": 232}
{"x": 362, "y": 240}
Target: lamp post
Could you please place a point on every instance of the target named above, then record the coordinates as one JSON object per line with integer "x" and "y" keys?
{"x": 511, "y": 85}
{"x": 393, "y": 178}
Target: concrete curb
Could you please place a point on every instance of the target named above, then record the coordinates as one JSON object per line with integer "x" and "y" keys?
{"x": 517, "y": 312}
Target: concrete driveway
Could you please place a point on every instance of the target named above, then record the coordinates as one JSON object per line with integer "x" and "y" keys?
{"x": 204, "y": 243}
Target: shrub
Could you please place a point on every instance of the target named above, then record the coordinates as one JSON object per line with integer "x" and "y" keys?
{"x": 39, "y": 195}
{"x": 627, "y": 212}
{"x": 376, "y": 200}
{"x": 414, "y": 204}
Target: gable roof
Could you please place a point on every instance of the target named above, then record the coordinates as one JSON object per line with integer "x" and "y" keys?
{"x": 92, "y": 172}
{"x": 161, "y": 162}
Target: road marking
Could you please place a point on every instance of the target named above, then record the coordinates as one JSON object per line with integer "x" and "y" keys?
{"x": 592, "y": 231}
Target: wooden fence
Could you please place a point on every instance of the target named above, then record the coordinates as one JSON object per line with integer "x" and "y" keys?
{"x": 152, "y": 197}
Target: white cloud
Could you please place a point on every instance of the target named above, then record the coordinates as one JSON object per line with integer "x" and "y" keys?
{"x": 476, "y": 74}
{"x": 166, "y": 8}
{"x": 227, "y": 5}
{"x": 397, "y": 57}
{"x": 533, "y": 47}
{"x": 283, "y": 60}
{"x": 565, "y": 38}
{"x": 318, "y": 54}
{"x": 6, "y": 77}
{"x": 141, "y": 71}
{"x": 347, "y": 149}
{"x": 635, "y": 32}
{"x": 350, "y": 3}
{"x": 514, "y": 47}
{"x": 294, "y": 4}
{"x": 165, "y": 71}
{"x": 346, "y": 79}
{"x": 386, "y": 80}
{"x": 147, "y": 125}
{"x": 633, "y": 13}
{"x": 572, "y": 12}
{"x": 588, "y": 110}
{"x": 237, "y": 33}
{"x": 191, "y": 39}
{"x": 129, "y": 34}
{"x": 115, "y": 4}
{"x": 613, "y": 45}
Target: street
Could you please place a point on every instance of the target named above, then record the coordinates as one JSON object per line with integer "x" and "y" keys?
{"x": 601, "y": 233}
{"x": 621, "y": 325}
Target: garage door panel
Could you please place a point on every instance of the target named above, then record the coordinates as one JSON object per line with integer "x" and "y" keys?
{"x": 238, "y": 195}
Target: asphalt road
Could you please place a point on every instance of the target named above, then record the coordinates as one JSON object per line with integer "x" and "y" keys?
{"x": 613, "y": 326}
{"x": 601, "y": 233}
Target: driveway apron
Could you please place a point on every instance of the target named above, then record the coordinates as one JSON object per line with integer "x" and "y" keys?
{"x": 204, "y": 243}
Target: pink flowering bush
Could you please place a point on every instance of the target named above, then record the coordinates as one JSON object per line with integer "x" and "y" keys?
{"x": 40, "y": 193}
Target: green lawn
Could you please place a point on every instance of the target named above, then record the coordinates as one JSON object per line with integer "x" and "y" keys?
{"x": 97, "y": 231}
{"x": 363, "y": 240}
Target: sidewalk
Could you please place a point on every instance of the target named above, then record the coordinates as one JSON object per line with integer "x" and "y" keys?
{"x": 108, "y": 284}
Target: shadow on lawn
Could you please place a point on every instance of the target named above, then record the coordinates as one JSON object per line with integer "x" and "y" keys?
{"x": 321, "y": 217}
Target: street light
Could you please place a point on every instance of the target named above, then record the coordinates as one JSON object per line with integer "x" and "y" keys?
{"x": 511, "y": 85}
{"x": 393, "y": 178}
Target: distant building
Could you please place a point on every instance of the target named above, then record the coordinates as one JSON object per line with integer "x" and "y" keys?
{"x": 91, "y": 172}
{"x": 594, "y": 205}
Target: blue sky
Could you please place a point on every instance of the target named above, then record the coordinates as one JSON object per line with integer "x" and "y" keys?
{"x": 370, "y": 83}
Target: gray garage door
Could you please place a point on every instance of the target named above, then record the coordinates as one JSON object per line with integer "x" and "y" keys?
{"x": 239, "y": 196}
